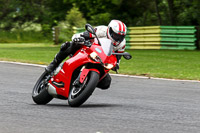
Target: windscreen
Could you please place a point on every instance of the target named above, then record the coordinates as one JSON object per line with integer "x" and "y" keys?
{"x": 106, "y": 46}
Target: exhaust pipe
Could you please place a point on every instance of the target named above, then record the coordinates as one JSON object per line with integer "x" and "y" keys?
{"x": 52, "y": 90}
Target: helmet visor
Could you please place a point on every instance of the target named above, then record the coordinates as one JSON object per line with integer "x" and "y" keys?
{"x": 115, "y": 36}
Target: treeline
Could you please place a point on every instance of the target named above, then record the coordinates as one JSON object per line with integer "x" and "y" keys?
{"x": 48, "y": 13}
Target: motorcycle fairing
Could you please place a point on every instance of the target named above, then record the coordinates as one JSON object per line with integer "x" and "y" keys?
{"x": 80, "y": 58}
{"x": 85, "y": 72}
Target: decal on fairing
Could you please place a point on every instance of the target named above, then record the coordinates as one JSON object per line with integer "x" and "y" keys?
{"x": 98, "y": 50}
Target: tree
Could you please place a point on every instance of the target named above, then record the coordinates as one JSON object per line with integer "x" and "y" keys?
{"x": 171, "y": 12}
{"x": 75, "y": 18}
{"x": 158, "y": 11}
{"x": 7, "y": 13}
{"x": 48, "y": 13}
{"x": 14, "y": 13}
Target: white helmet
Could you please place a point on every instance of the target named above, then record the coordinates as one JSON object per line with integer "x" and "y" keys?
{"x": 116, "y": 31}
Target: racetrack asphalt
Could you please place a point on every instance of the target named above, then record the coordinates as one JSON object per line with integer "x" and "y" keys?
{"x": 131, "y": 105}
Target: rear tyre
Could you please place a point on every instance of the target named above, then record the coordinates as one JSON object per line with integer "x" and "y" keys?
{"x": 78, "y": 96}
{"x": 40, "y": 94}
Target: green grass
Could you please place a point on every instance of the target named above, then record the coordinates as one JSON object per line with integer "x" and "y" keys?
{"x": 24, "y": 37}
{"x": 174, "y": 64}
{"x": 31, "y": 53}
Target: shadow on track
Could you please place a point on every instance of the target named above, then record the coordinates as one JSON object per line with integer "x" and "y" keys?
{"x": 102, "y": 105}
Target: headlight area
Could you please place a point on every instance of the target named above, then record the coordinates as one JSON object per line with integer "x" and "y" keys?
{"x": 94, "y": 56}
{"x": 108, "y": 66}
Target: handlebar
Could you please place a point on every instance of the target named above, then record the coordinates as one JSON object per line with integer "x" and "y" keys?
{"x": 87, "y": 43}
{"x": 126, "y": 55}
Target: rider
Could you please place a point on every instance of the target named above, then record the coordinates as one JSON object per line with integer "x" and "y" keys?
{"x": 115, "y": 31}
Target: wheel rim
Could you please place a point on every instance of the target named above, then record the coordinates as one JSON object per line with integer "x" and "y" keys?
{"x": 41, "y": 85}
{"x": 76, "y": 91}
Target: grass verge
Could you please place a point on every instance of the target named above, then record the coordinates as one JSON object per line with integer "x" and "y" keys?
{"x": 174, "y": 64}
{"x": 24, "y": 37}
{"x": 30, "y": 53}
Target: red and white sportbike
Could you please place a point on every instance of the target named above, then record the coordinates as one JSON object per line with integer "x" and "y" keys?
{"x": 77, "y": 77}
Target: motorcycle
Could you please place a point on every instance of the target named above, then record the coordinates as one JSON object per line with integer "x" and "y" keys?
{"x": 76, "y": 78}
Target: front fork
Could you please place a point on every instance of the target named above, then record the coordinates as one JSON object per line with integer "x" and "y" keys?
{"x": 83, "y": 74}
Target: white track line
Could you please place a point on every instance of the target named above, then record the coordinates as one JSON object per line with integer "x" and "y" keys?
{"x": 118, "y": 75}
{"x": 25, "y": 64}
{"x": 143, "y": 77}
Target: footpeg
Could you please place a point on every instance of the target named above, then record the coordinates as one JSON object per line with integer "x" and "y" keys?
{"x": 59, "y": 85}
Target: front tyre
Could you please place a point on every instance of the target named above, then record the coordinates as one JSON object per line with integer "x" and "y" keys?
{"x": 78, "y": 96}
{"x": 40, "y": 94}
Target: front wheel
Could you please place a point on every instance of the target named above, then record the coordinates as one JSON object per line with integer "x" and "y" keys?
{"x": 79, "y": 95}
{"x": 40, "y": 94}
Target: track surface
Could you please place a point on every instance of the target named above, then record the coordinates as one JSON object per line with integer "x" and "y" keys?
{"x": 131, "y": 105}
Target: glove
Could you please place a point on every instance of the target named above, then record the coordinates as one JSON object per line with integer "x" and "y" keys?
{"x": 88, "y": 43}
{"x": 79, "y": 40}
{"x": 86, "y": 35}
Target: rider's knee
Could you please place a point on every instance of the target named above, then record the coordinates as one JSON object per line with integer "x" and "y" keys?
{"x": 105, "y": 82}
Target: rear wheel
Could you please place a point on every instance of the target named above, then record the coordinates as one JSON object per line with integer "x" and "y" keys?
{"x": 79, "y": 94}
{"x": 40, "y": 94}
